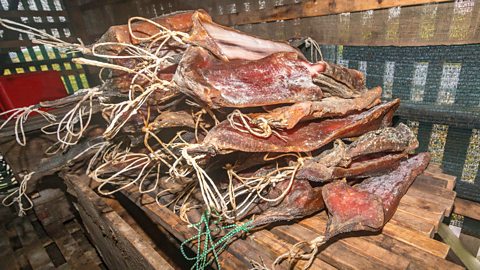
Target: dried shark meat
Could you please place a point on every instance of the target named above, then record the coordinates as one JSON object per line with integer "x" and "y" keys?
{"x": 177, "y": 21}
{"x": 304, "y": 137}
{"x": 302, "y": 200}
{"x": 276, "y": 79}
{"x": 288, "y": 116}
{"x": 370, "y": 204}
{"x": 228, "y": 44}
{"x": 170, "y": 119}
{"x": 115, "y": 42}
{"x": 341, "y": 81}
{"x": 372, "y": 153}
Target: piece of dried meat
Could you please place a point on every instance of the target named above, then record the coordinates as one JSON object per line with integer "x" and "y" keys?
{"x": 276, "y": 79}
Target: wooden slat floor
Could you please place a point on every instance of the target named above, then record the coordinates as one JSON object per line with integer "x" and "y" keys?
{"x": 26, "y": 244}
{"x": 406, "y": 242}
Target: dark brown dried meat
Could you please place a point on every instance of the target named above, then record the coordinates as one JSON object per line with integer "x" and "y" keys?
{"x": 170, "y": 119}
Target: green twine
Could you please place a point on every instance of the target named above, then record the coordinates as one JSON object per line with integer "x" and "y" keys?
{"x": 209, "y": 246}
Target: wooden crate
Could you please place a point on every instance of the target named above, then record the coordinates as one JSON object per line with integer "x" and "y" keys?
{"x": 406, "y": 242}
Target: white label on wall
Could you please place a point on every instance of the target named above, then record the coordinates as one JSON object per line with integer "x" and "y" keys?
{"x": 362, "y": 67}
{"x": 418, "y": 83}
{"x": 388, "y": 79}
{"x": 448, "y": 83}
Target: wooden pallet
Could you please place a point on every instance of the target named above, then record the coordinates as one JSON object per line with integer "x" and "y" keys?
{"x": 404, "y": 243}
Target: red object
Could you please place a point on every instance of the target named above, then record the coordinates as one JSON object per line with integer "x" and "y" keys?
{"x": 21, "y": 90}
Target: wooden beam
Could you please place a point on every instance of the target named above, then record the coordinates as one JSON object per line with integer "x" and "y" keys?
{"x": 467, "y": 208}
{"x": 314, "y": 8}
{"x": 99, "y": 4}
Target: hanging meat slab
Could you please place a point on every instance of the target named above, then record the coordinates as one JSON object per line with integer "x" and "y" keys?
{"x": 372, "y": 153}
{"x": 288, "y": 116}
{"x": 304, "y": 137}
{"x": 302, "y": 200}
{"x": 276, "y": 79}
{"x": 369, "y": 205}
{"x": 228, "y": 44}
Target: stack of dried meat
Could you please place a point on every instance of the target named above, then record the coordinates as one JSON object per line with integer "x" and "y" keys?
{"x": 214, "y": 121}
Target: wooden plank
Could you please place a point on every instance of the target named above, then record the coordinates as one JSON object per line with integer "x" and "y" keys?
{"x": 7, "y": 255}
{"x": 313, "y": 8}
{"x": 416, "y": 239}
{"x": 276, "y": 247}
{"x": 434, "y": 168}
{"x": 442, "y": 197}
{"x": 319, "y": 222}
{"x": 235, "y": 257}
{"x": 335, "y": 253}
{"x": 419, "y": 211}
{"x": 467, "y": 208}
{"x": 446, "y": 177}
{"x": 430, "y": 181}
{"x": 419, "y": 258}
{"x": 402, "y": 218}
{"x": 110, "y": 233}
{"x": 32, "y": 247}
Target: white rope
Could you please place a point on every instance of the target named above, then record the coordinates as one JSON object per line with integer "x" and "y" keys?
{"x": 72, "y": 125}
{"x": 260, "y": 129}
{"x": 251, "y": 188}
{"x": 21, "y": 115}
{"x": 18, "y": 195}
{"x": 315, "y": 49}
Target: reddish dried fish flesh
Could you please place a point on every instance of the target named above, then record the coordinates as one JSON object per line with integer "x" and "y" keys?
{"x": 302, "y": 200}
{"x": 391, "y": 187}
{"x": 276, "y": 79}
{"x": 352, "y": 78}
{"x": 304, "y": 137}
{"x": 169, "y": 119}
{"x": 337, "y": 162}
{"x": 177, "y": 21}
{"x": 287, "y": 117}
{"x": 318, "y": 172}
{"x": 389, "y": 139}
{"x": 370, "y": 204}
{"x": 228, "y": 44}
